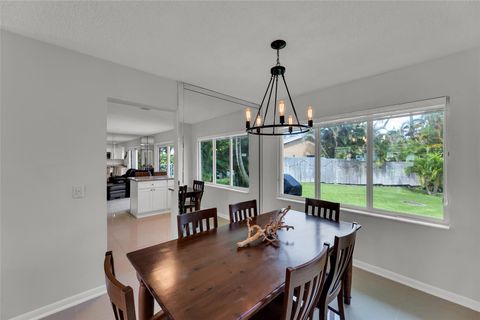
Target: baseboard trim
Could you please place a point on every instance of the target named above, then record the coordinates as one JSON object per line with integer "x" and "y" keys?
{"x": 435, "y": 291}
{"x": 62, "y": 304}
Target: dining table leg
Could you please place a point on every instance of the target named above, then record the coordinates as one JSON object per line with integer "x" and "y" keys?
{"x": 145, "y": 303}
{"x": 347, "y": 284}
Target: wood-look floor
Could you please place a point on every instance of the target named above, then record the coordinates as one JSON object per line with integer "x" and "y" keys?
{"x": 373, "y": 297}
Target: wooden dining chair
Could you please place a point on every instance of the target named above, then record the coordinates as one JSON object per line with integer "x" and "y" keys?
{"x": 340, "y": 259}
{"x": 303, "y": 286}
{"x": 242, "y": 210}
{"x": 182, "y": 198}
{"x": 121, "y": 296}
{"x": 323, "y": 209}
{"x": 192, "y": 223}
{"x": 199, "y": 187}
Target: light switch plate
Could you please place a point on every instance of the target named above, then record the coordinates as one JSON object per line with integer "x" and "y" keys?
{"x": 78, "y": 192}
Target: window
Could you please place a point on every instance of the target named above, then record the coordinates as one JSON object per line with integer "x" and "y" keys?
{"x": 166, "y": 159}
{"x": 408, "y": 164}
{"x": 228, "y": 158}
{"x": 400, "y": 172}
{"x": 240, "y": 161}
{"x": 206, "y": 161}
{"x": 222, "y": 160}
{"x": 343, "y": 163}
{"x": 299, "y": 165}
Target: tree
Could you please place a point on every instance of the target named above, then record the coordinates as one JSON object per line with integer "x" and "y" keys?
{"x": 240, "y": 163}
{"x": 206, "y": 148}
{"x": 424, "y": 140}
{"x": 429, "y": 168}
{"x": 344, "y": 141}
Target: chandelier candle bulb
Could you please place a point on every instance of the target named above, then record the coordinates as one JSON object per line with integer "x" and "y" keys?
{"x": 248, "y": 117}
{"x": 290, "y": 123}
{"x": 258, "y": 123}
{"x": 310, "y": 116}
{"x": 281, "y": 111}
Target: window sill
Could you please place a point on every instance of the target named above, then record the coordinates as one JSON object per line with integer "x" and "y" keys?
{"x": 228, "y": 188}
{"x": 439, "y": 225}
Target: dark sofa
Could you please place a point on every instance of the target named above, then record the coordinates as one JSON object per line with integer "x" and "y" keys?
{"x": 119, "y": 187}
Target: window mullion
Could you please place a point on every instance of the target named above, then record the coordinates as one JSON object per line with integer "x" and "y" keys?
{"x": 370, "y": 144}
{"x": 214, "y": 157}
{"x": 199, "y": 166}
{"x": 318, "y": 164}
{"x": 231, "y": 161}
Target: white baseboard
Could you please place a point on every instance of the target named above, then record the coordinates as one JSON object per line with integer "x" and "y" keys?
{"x": 435, "y": 291}
{"x": 62, "y": 304}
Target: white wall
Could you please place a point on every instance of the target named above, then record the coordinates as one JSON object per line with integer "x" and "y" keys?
{"x": 53, "y": 245}
{"x": 447, "y": 259}
{"x": 165, "y": 137}
{"x": 1, "y": 177}
{"x": 217, "y": 197}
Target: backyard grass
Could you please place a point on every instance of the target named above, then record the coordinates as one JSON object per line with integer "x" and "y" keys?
{"x": 396, "y": 199}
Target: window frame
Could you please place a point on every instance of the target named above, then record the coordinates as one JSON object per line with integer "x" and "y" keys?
{"x": 169, "y": 145}
{"x": 440, "y": 104}
{"x": 214, "y": 139}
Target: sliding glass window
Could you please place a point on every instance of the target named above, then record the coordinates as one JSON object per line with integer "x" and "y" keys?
{"x": 206, "y": 161}
{"x": 390, "y": 162}
{"x": 343, "y": 163}
{"x": 228, "y": 158}
{"x": 408, "y": 164}
{"x": 299, "y": 164}
{"x": 166, "y": 159}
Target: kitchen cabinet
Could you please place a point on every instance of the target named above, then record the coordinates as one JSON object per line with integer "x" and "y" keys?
{"x": 149, "y": 196}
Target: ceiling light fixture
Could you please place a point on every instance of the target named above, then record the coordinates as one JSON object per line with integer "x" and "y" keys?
{"x": 293, "y": 125}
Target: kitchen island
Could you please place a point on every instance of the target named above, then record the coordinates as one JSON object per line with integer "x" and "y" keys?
{"x": 150, "y": 195}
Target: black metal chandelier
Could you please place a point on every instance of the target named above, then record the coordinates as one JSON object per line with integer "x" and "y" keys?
{"x": 280, "y": 128}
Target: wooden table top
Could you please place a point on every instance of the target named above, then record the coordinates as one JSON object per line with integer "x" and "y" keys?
{"x": 207, "y": 277}
{"x": 190, "y": 190}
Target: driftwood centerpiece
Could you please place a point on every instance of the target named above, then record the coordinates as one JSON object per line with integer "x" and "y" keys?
{"x": 269, "y": 232}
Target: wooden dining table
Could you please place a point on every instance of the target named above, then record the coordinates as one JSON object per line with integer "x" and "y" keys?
{"x": 206, "y": 276}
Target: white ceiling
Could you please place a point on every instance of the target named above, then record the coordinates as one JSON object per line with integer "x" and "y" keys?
{"x": 225, "y": 46}
{"x": 124, "y": 121}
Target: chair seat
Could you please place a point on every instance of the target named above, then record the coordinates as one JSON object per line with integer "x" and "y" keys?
{"x": 272, "y": 311}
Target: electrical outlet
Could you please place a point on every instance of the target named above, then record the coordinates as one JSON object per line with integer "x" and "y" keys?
{"x": 78, "y": 192}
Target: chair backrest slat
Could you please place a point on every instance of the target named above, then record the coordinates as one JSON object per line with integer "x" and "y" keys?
{"x": 121, "y": 296}
{"x": 194, "y": 222}
{"x": 303, "y": 286}
{"x": 242, "y": 210}
{"x": 182, "y": 198}
{"x": 323, "y": 209}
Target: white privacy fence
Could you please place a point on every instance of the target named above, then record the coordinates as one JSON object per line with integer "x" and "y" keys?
{"x": 345, "y": 171}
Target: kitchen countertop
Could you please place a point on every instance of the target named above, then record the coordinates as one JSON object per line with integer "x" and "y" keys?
{"x": 151, "y": 178}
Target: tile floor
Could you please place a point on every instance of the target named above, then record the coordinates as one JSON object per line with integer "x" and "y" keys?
{"x": 373, "y": 297}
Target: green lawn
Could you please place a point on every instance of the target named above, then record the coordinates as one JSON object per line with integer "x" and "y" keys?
{"x": 396, "y": 199}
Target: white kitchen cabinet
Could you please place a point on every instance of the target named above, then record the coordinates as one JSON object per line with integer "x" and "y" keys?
{"x": 159, "y": 200}
{"x": 149, "y": 195}
{"x": 144, "y": 200}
